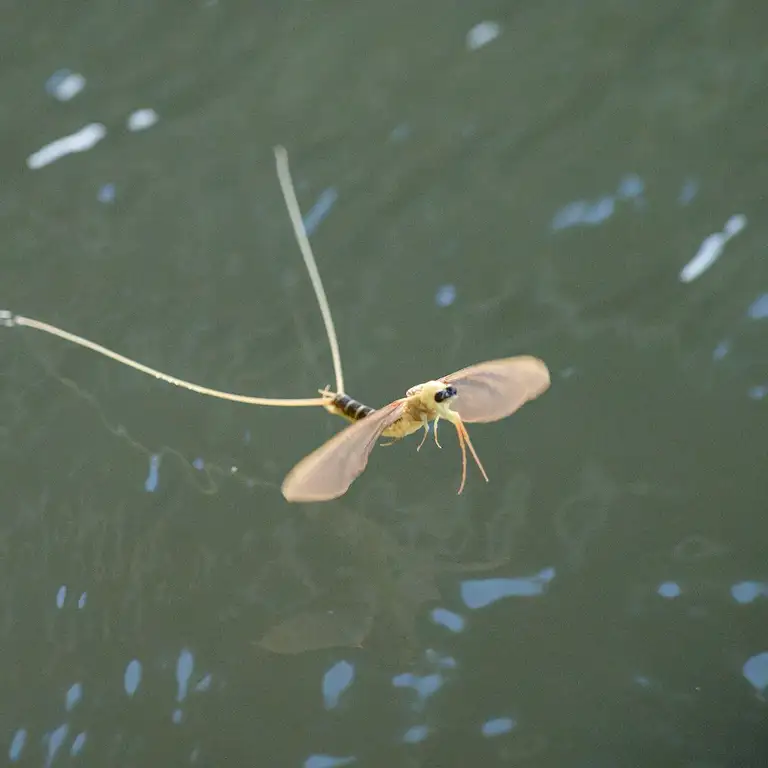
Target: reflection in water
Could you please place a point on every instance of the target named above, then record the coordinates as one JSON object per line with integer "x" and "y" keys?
{"x": 384, "y": 580}
{"x": 712, "y": 248}
{"x": 591, "y": 213}
{"x": 61, "y": 596}
{"x": 150, "y": 484}
{"x": 721, "y": 350}
{"x": 448, "y": 619}
{"x": 437, "y": 660}
{"x": 132, "y": 677}
{"x": 141, "y": 119}
{"x": 335, "y": 681}
{"x": 669, "y": 589}
{"x": 584, "y": 212}
{"x": 84, "y": 139}
{"x": 498, "y": 726}
{"x": 315, "y": 630}
{"x": 64, "y": 84}
{"x": 416, "y": 734}
{"x": 55, "y": 740}
{"x": 17, "y": 745}
{"x": 77, "y": 744}
{"x": 107, "y": 193}
{"x": 82, "y": 600}
{"x": 74, "y": 694}
{"x": 445, "y": 295}
{"x": 688, "y": 192}
{"x": 482, "y": 592}
{"x": 584, "y": 512}
{"x": 327, "y": 761}
{"x": 184, "y": 666}
{"x": 747, "y": 591}
{"x": 320, "y": 210}
{"x": 758, "y": 309}
{"x": 755, "y": 669}
{"x": 424, "y": 685}
{"x": 482, "y": 34}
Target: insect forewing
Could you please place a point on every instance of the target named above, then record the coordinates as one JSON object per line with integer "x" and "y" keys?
{"x": 496, "y": 389}
{"x": 329, "y": 471}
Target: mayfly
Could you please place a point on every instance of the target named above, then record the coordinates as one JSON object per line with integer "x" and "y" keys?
{"x": 484, "y": 392}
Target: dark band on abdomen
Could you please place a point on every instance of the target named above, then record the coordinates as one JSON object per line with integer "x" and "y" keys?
{"x": 351, "y": 408}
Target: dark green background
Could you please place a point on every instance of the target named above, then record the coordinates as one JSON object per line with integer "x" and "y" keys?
{"x": 645, "y": 463}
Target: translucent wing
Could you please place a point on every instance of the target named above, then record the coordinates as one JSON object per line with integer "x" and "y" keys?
{"x": 328, "y": 472}
{"x": 496, "y": 389}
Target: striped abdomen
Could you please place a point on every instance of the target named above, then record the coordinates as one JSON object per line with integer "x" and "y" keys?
{"x": 350, "y": 409}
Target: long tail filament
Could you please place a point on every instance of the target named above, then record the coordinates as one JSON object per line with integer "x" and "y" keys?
{"x": 284, "y": 176}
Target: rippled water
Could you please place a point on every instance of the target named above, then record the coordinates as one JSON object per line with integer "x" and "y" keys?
{"x": 583, "y": 182}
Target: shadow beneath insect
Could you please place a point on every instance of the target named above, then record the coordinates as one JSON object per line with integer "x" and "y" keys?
{"x": 375, "y": 590}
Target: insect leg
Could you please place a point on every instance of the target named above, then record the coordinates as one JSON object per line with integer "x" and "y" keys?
{"x": 463, "y": 456}
{"x": 460, "y": 424}
{"x": 437, "y": 443}
{"x": 425, "y": 424}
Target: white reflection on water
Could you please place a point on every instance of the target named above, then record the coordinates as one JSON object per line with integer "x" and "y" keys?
{"x": 631, "y": 187}
{"x": 689, "y": 190}
{"x": 335, "y": 681}
{"x": 184, "y": 667}
{"x": 498, "y": 726}
{"x": 758, "y": 309}
{"x": 150, "y": 484}
{"x": 438, "y": 660}
{"x": 141, "y": 119}
{"x": 61, "y": 596}
{"x": 669, "y": 589}
{"x": 445, "y": 296}
{"x": 478, "y": 593}
{"x": 482, "y": 34}
{"x": 77, "y": 744}
{"x": 132, "y": 677}
{"x": 712, "y": 248}
{"x": 80, "y": 141}
{"x": 327, "y": 761}
{"x": 584, "y": 212}
{"x": 17, "y": 745}
{"x": 448, "y": 619}
{"x": 416, "y": 734}
{"x": 107, "y": 193}
{"x": 64, "y": 84}
{"x": 74, "y": 694}
{"x": 55, "y": 740}
{"x": 755, "y": 669}
{"x": 424, "y": 686}
{"x": 747, "y": 591}
{"x": 721, "y": 350}
{"x": 593, "y": 212}
{"x": 320, "y": 210}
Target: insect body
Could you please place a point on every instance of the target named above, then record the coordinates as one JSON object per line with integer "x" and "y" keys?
{"x": 481, "y": 393}
{"x": 485, "y": 392}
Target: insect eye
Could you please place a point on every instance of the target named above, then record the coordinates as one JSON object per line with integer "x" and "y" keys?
{"x": 444, "y": 394}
